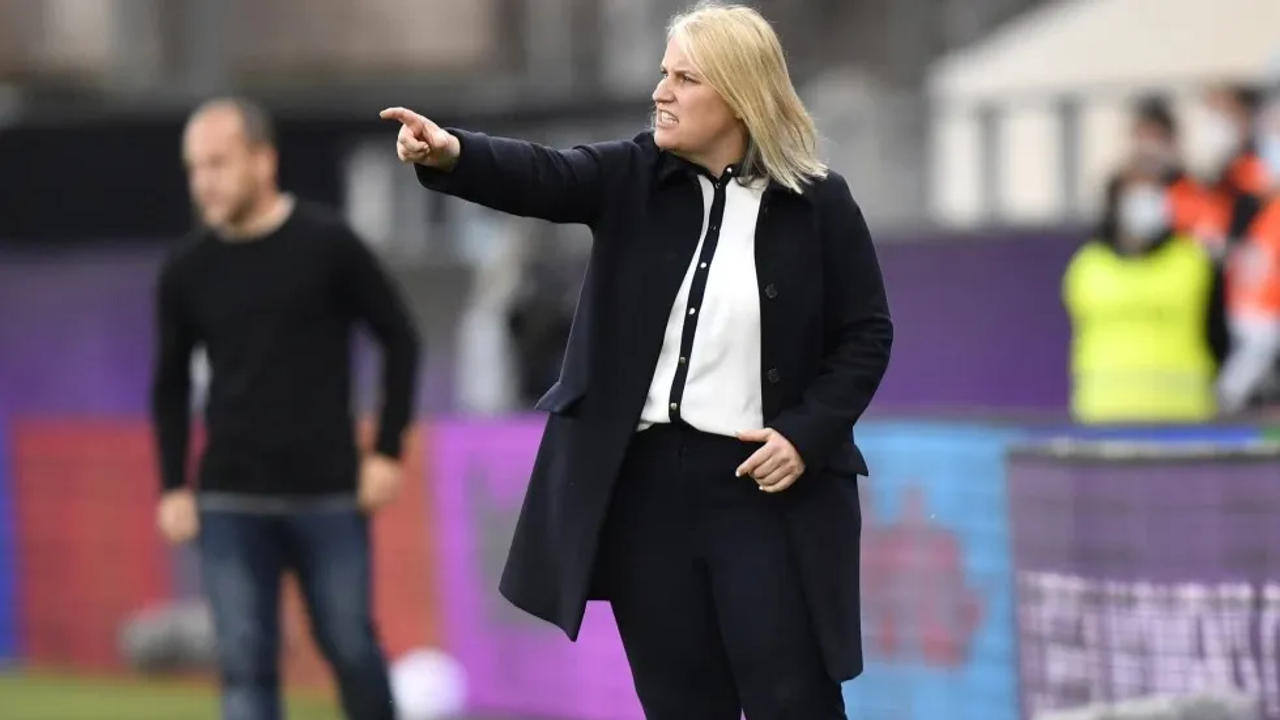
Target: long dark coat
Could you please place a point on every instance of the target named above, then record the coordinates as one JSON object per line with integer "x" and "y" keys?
{"x": 825, "y": 337}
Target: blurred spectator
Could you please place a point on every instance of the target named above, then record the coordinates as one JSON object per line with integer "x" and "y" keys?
{"x": 1156, "y": 153}
{"x": 485, "y": 379}
{"x": 1139, "y": 297}
{"x": 1253, "y": 284}
{"x": 540, "y": 320}
{"x": 1240, "y": 178}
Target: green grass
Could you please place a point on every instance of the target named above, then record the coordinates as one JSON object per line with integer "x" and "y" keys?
{"x": 43, "y": 696}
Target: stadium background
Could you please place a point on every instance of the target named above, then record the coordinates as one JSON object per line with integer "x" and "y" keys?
{"x": 1007, "y": 571}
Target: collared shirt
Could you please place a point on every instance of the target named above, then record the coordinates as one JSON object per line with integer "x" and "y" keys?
{"x": 708, "y": 371}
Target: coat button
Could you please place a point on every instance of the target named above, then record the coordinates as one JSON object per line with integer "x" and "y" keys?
{"x": 771, "y": 291}
{"x": 773, "y": 376}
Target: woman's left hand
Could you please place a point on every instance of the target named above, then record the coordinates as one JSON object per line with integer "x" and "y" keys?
{"x": 776, "y": 466}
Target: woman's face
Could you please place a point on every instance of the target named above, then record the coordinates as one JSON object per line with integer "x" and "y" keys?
{"x": 690, "y": 118}
{"x": 1142, "y": 214}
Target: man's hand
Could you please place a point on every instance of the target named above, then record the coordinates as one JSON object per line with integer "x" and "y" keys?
{"x": 422, "y": 141}
{"x": 776, "y": 466}
{"x": 380, "y": 480}
{"x": 176, "y": 516}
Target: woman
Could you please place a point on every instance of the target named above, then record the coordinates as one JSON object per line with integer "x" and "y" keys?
{"x": 698, "y": 468}
{"x": 1142, "y": 304}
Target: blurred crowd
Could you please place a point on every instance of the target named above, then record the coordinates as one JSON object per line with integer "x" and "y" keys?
{"x": 1175, "y": 300}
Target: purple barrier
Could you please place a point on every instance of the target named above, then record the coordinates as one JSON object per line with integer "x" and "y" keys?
{"x": 76, "y": 331}
{"x": 978, "y": 322}
{"x": 1146, "y": 569}
{"x": 514, "y": 663}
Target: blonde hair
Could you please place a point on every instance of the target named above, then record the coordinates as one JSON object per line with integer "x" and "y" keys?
{"x": 740, "y": 57}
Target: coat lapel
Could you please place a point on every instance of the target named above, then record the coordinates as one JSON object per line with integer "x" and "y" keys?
{"x": 669, "y": 243}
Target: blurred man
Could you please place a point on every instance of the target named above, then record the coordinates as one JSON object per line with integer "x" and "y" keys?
{"x": 1156, "y": 154}
{"x": 1239, "y": 178}
{"x": 271, "y": 287}
{"x": 1253, "y": 284}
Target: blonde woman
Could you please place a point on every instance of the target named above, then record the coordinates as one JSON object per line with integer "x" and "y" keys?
{"x": 698, "y": 467}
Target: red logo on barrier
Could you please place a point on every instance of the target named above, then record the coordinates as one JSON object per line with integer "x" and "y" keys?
{"x": 917, "y": 604}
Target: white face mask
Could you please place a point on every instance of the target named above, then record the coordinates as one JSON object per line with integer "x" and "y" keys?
{"x": 1143, "y": 214}
{"x": 1222, "y": 139}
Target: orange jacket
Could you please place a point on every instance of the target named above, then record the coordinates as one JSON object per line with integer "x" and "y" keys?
{"x": 1253, "y": 268}
{"x": 1187, "y": 201}
{"x": 1245, "y": 176}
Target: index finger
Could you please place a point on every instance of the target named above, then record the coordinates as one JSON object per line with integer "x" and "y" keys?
{"x": 404, "y": 116}
{"x": 757, "y": 458}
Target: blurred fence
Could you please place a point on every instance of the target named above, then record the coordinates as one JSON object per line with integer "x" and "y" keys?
{"x": 1146, "y": 568}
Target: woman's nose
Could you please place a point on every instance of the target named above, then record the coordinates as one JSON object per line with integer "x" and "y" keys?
{"x": 661, "y": 93}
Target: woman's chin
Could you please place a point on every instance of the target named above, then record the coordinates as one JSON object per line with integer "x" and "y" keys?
{"x": 664, "y": 138}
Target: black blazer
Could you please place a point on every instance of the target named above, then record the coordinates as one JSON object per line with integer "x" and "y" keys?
{"x": 825, "y": 337}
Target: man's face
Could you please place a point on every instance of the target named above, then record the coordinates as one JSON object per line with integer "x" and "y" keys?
{"x": 224, "y": 171}
{"x": 1154, "y": 150}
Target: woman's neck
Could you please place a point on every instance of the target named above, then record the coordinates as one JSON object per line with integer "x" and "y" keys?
{"x": 728, "y": 151}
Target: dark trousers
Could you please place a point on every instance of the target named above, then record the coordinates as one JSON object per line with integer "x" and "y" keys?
{"x": 243, "y": 556}
{"x": 698, "y": 568}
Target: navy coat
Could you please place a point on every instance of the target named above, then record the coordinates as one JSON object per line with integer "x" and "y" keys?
{"x": 825, "y": 337}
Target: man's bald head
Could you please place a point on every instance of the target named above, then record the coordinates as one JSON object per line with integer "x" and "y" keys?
{"x": 254, "y": 122}
{"x": 229, "y": 149}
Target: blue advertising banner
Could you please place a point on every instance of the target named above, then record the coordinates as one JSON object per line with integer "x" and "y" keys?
{"x": 937, "y": 585}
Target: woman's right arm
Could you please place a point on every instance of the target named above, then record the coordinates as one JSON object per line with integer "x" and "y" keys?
{"x": 518, "y": 177}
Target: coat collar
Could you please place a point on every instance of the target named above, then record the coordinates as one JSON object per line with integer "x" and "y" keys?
{"x": 671, "y": 168}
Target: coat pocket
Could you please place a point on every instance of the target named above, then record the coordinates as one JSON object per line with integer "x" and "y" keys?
{"x": 563, "y": 397}
{"x": 847, "y": 460}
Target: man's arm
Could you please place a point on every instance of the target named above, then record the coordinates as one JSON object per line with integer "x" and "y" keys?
{"x": 374, "y": 300}
{"x": 171, "y": 382}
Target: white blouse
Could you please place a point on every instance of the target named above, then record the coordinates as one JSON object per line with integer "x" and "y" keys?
{"x": 708, "y": 372}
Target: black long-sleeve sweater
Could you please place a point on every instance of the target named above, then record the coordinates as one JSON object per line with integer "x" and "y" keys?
{"x": 275, "y": 315}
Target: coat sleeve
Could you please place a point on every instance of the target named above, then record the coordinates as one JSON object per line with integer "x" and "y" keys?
{"x": 531, "y": 180}
{"x": 858, "y": 333}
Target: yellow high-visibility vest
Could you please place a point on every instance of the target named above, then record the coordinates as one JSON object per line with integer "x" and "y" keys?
{"x": 1139, "y": 347}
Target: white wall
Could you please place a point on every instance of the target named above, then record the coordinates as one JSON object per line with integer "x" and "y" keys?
{"x": 1100, "y": 55}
